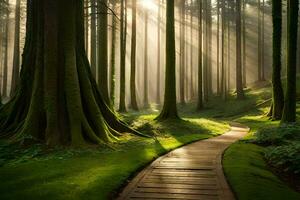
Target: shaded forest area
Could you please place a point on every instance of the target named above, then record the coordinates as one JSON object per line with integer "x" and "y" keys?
{"x": 125, "y": 82}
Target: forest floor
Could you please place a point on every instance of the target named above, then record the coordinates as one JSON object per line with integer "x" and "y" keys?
{"x": 99, "y": 172}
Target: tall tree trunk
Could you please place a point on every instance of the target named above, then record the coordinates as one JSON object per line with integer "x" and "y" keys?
{"x": 239, "y": 78}
{"x": 263, "y": 42}
{"x": 146, "y": 90}
{"x": 123, "y": 32}
{"x": 16, "y": 58}
{"x": 229, "y": 4}
{"x": 209, "y": 50}
{"x": 57, "y": 100}
{"x": 86, "y": 26}
{"x": 205, "y": 50}
{"x": 289, "y": 111}
{"x": 158, "y": 89}
{"x": 191, "y": 53}
{"x": 223, "y": 71}
{"x": 218, "y": 47}
{"x": 278, "y": 96}
{"x": 182, "y": 52}
{"x": 93, "y": 58}
{"x": 200, "y": 74}
{"x": 113, "y": 56}
{"x": 244, "y": 46}
{"x": 170, "y": 108}
{"x": 5, "y": 65}
{"x": 133, "y": 100}
{"x": 103, "y": 49}
{"x": 259, "y": 55}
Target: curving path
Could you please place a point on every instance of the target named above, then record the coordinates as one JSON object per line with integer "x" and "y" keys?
{"x": 191, "y": 172}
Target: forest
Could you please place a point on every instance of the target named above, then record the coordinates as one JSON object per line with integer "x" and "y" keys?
{"x": 150, "y": 99}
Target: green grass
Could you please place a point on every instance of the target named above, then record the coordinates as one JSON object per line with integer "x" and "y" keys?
{"x": 97, "y": 173}
{"x": 246, "y": 168}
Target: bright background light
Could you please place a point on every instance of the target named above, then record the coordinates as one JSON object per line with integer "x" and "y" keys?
{"x": 149, "y": 4}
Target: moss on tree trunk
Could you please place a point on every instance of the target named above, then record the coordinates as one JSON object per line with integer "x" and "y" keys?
{"x": 57, "y": 100}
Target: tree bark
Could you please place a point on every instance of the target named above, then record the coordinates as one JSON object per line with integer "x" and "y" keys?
{"x": 58, "y": 100}
{"x": 146, "y": 99}
{"x": 16, "y": 57}
{"x": 103, "y": 49}
{"x": 123, "y": 32}
{"x": 93, "y": 33}
{"x": 239, "y": 78}
{"x": 278, "y": 96}
{"x": 170, "y": 107}
{"x": 289, "y": 111}
{"x": 182, "y": 52}
{"x": 200, "y": 74}
{"x": 133, "y": 99}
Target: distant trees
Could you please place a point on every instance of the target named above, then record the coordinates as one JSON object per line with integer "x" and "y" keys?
{"x": 170, "y": 108}
{"x": 182, "y": 52}
{"x": 200, "y": 66}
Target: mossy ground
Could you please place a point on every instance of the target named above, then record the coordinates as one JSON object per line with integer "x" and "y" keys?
{"x": 98, "y": 173}
{"x": 95, "y": 173}
{"x": 245, "y": 166}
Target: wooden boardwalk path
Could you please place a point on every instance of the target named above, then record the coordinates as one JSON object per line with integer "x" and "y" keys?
{"x": 191, "y": 172}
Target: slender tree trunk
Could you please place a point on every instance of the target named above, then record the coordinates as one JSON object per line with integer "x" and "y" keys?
{"x": 200, "y": 74}
{"x": 223, "y": 71}
{"x": 158, "y": 89}
{"x": 170, "y": 108}
{"x": 239, "y": 78}
{"x": 244, "y": 46}
{"x": 123, "y": 32}
{"x": 259, "y": 52}
{"x": 289, "y": 111}
{"x": 278, "y": 96}
{"x": 113, "y": 57}
{"x": 209, "y": 50}
{"x": 146, "y": 90}
{"x": 93, "y": 58}
{"x": 228, "y": 46}
{"x": 5, "y": 67}
{"x": 182, "y": 52}
{"x": 191, "y": 54}
{"x": 263, "y": 42}
{"x": 86, "y": 26}
{"x": 133, "y": 101}
{"x": 218, "y": 47}
{"x": 103, "y": 49}
{"x": 16, "y": 58}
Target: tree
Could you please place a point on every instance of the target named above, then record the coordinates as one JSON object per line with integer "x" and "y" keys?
{"x": 182, "y": 52}
{"x": 58, "y": 100}
{"x": 289, "y": 110}
{"x": 103, "y": 49}
{"x": 200, "y": 74}
{"x": 123, "y": 31}
{"x": 158, "y": 52}
{"x": 170, "y": 107}
{"x": 218, "y": 47}
{"x": 16, "y": 58}
{"x": 239, "y": 78}
{"x": 244, "y": 46}
{"x": 93, "y": 33}
{"x": 223, "y": 71}
{"x": 113, "y": 56}
{"x": 5, "y": 64}
{"x": 278, "y": 96}
{"x": 259, "y": 44}
{"x": 133, "y": 101}
{"x": 146, "y": 99}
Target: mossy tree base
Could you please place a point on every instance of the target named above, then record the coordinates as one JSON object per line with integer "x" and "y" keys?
{"x": 57, "y": 100}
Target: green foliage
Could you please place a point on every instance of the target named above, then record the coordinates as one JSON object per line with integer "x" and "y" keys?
{"x": 286, "y": 157}
{"x": 277, "y": 135}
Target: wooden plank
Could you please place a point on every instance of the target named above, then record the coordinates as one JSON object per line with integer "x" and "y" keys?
{"x": 173, "y": 196}
{"x": 176, "y": 191}
{"x": 174, "y": 181}
{"x": 177, "y": 186}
